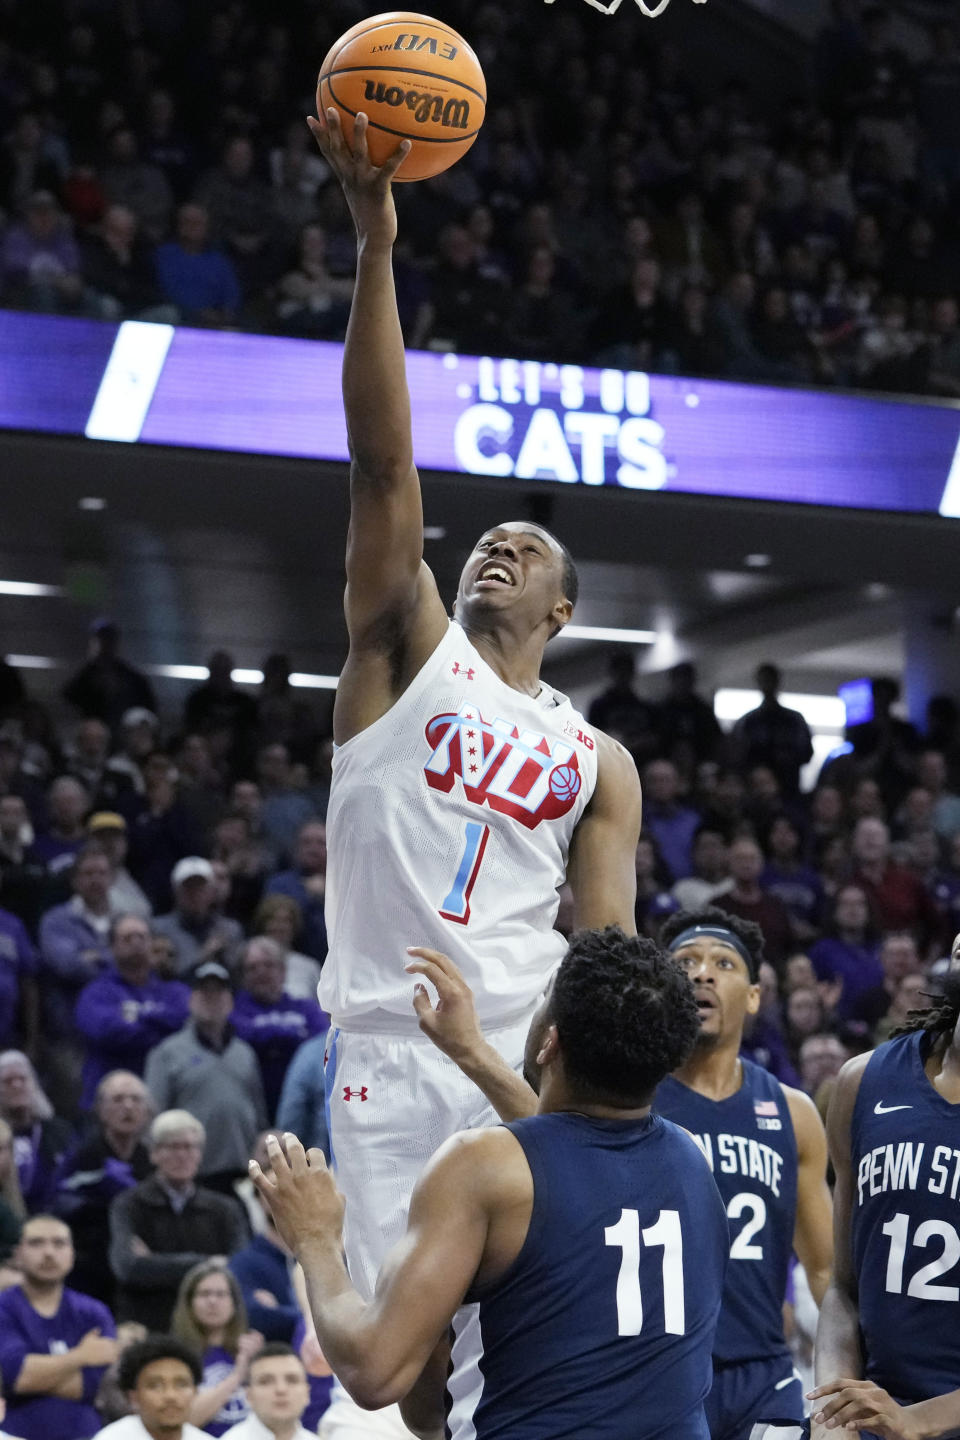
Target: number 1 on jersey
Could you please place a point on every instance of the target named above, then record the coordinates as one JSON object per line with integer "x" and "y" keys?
{"x": 456, "y": 906}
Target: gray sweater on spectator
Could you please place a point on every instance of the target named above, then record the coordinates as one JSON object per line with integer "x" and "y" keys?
{"x": 222, "y": 1089}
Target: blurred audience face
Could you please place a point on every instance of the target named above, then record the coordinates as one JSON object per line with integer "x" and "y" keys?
{"x": 93, "y": 742}
{"x": 247, "y": 800}
{"x": 123, "y": 1105}
{"x": 899, "y": 958}
{"x": 177, "y": 1157}
{"x": 867, "y": 800}
{"x": 13, "y": 818}
{"x": 282, "y": 923}
{"x": 238, "y": 159}
{"x": 264, "y": 971}
{"x": 68, "y": 803}
{"x": 871, "y": 842}
{"x": 769, "y": 990}
{"x": 45, "y": 1252}
{"x": 277, "y": 1390}
{"x": 16, "y": 1088}
{"x": 312, "y": 849}
{"x": 163, "y": 1395}
{"x": 852, "y": 911}
{"x": 212, "y": 1302}
{"x": 746, "y": 861}
{"x": 193, "y": 227}
{"x": 131, "y": 949}
{"x": 822, "y": 1057}
{"x": 273, "y": 767}
{"x": 799, "y": 974}
{"x": 910, "y": 995}
{"x": 932, "y": 771}
{"x": 119, "y": 228}
{"x": 784, "y": 839}
{"x": 710, "y": 856}
{"x": 661, "y": 782}
{"x": 763, "y": 785}
{"x": 918, "y": 809}
{"x": 113, "y": 843}
{"x": 195, "y": 897}
{"x": 92, "y": 876}
{"x": 923, "y": 851}
{"x": 804, "y": 1010}
{"x": 211, "y": 1003}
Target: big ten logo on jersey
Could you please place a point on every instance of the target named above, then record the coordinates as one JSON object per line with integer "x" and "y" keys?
{"x": 517, "y": 772}
{"x": 768, "y": 1116}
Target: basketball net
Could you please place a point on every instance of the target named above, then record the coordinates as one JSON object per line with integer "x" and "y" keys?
{"x": 610, "y": 7}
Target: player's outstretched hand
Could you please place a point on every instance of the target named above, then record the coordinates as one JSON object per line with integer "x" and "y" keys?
{"x": 366, "y": 186}
{"x": 853, "y": 1405}
{"x": 452, "y": 1023}
{"x": 304, "y": 1202}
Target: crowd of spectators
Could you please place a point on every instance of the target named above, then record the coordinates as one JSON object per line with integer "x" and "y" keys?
{"x": 162, "y": 933}
{"x": 154, "y": 164}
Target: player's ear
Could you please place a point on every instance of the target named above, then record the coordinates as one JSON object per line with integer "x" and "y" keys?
{"x": 753, "y": 999}
{"x": 549, "y": 1046}
{"x": 562, "y": 613}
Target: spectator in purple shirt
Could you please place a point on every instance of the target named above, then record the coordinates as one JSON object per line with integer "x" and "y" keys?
{"x": 39, "y": 259}
{"x": 671, "y": 823}
{"x": 201, "y": 282}
{"x": 68, "y": 804}
{"x": 54, "y": 1342}
{"x": 306, "y": 883}
{"x": 127, "y": 1011}
{"x": 40, "y": 1138}
{"x": 270, "y": 1020}
{"x": 849, "y": 952}
{"x": 18, "y": 984}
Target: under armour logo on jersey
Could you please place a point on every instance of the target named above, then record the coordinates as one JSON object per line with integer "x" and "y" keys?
{"x": 458, "y": 669}
{"x": 515, "y": 772}
{"x": 360, "y": 1094}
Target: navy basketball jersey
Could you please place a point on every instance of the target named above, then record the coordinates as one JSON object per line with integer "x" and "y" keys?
{"x": 905, "y": 1225}
{"x": 749, "y": 1142}
{"x": 604, "y": 1324}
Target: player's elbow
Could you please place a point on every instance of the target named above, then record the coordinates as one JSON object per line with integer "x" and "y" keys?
{"x": 373, "y": 1385}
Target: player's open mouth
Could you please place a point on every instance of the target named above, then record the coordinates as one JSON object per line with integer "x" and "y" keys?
{"x": 706, "y": 1003}
{"x": 494, "y": 573}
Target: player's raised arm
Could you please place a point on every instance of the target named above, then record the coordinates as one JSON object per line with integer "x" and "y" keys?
{"x": 601, "y": 868}
{"x": 390, "y": 594}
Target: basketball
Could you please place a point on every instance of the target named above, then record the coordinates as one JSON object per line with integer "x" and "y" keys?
{"x": 416, "y": 79}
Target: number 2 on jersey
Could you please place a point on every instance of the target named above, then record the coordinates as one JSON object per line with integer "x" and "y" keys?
{"x": 456, "y": 906}
{"x": 626, "y": 1235}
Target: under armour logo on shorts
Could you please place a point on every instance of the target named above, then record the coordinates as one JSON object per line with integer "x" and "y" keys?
{"x": 360, "y": 1094}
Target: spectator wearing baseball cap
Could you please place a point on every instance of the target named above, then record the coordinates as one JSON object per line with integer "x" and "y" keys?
{"x": 109, "y": 829}
{"x": 195, "y": 926}
{"x": 207, "y": 1069}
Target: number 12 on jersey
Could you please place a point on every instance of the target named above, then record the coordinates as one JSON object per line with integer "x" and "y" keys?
{"x": 626, "y": 1235}
{"x": 456, "y": 906}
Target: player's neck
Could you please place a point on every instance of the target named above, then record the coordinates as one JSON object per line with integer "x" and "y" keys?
{"x": 516, "y": 661}
{"x": 947, "y": 1081}
{"x": 713, "y": 1071}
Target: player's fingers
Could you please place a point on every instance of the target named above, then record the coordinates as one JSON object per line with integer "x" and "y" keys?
{"x": 360, "y": 150}
{"x": 421, "y": 1002}
{"x": 278, "y": 1160}
{"x": 446, "y": 988}
{"x": 393, "y": 162}
{"x": 261, "y": 1181}
{"x": 438, "y": 959}
{"x": 295, "y": 1153}
{"x": 316, "y": 1158}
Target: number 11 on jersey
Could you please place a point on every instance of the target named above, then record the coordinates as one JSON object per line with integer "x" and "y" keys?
{"x": 626, "y": 1236}
{"x": 456, "y": 906}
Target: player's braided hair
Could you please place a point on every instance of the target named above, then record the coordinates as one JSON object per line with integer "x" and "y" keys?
{"x": 940, "y": 1018}
{"x": 625, "y": 1016}
{"x": 749, "y": 934}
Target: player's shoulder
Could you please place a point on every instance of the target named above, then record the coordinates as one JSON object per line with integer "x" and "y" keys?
{"x": 482, "y": 1161}
{"x": 807, "y": 1124}
{"x": 616, "y": 767}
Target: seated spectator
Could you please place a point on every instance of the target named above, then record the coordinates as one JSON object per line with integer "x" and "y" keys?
{"x": 466, "y": 306}
{"x": 89, "y": 763}
{"x": 270, "y": 1020}
{"x": 749, "y": 901}
{"x": 671, "y": 823}
{"x": 790, "y": 880}
{"x": 159, "y": 1376}
{"x": 201, "y": 282}
{"x": 18, "y": 984}
{"x": 139, "y": 738}
{"x": 799, "y": 972}
{"x": 124, "y": 1013}
{"x": 12, "y": 1209}
{"x": 134, "y": 185}
{"x": 711, "y": 869}
{"x": 201, "y": 786}
{"x": 68, "y": 804}
{"x": 286, "y": 809}
{"x": 112, "y": 1158}
{"x": 309, "y": 301}
{"x": 247, "y": 865}
{"x": 280, "y": 917}
{"x": 849, "y": 951}
{"x": 896, "y": 896}
{"x": 263, "y": 1272}
{"x": 544, "y": 321}
{"x": 194, "y": 925}
{"x": 764, "y": 1041}
{"x": 109, "y": 830}
{"x": 167, "y": 1224}
{"x": 302, "y": 1106}
{"x": 211, "y": 1319}
{"x": 932, "y": 775}
{"x": 39, "y": 259}
{"x": 40, "y": 1138}
{"x": 306, "y": 883}
{"x": 898, "y": 960}
{"x": 240, "y": 206}
{"x": 207, "y": 1069}
{"x": 161, "y": 834}
{"x": 691, "y": 343}
{"x": 119, "y": 271}
{"x": 822, "y": 1057}
{"x": 805, "y": 1015}
{"x": 653, "y": 884}
{"x": 112, "y": 1403}
{"x": 278, "y": 1393}
{"x": 107, "y": 685}
{"x": 24, "y": 882}
{"x": 55, "y": 1343}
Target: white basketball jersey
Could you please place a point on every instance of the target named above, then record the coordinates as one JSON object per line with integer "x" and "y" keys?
{"x": 449, "y": 825}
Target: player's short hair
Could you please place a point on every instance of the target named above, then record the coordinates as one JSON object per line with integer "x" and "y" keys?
{"x": 749, "y": 934}
{"x": 625, "y": 1015}
{"x": 138, "y": 1356}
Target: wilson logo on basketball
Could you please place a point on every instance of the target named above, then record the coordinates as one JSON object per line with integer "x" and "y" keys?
{"x": 515, "y": 772}
{"x": 452, "y": 113}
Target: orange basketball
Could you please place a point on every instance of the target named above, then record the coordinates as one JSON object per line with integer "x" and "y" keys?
{"x": 415, "y": 79}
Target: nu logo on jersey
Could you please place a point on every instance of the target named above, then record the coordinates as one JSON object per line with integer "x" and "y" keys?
{"x": 514, "y": 771}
